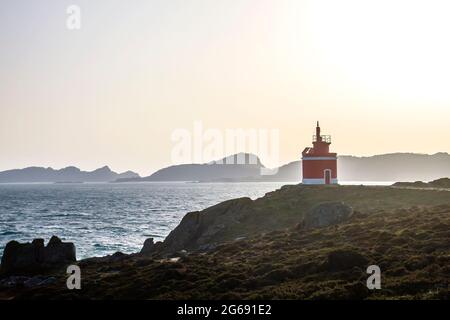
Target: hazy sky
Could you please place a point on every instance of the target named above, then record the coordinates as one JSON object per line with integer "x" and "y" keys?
{"x": 375, "y": 73}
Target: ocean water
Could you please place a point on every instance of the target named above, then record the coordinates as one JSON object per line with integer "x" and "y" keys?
{"x": 104, "y": 218}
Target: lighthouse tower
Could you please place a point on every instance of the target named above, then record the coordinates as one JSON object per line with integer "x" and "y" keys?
{"x": 319, "y": 165}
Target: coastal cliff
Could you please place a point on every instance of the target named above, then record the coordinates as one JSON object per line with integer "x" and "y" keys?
{"x": 298, "y": 242}
{"x": 285, "y": 208}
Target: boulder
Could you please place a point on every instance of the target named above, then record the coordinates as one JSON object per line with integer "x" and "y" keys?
{"x": 200, "y": 230}
{"x": 327, "y": 214}
{"x": 30, "y": 258}
{"x": 58, "y": 252}
{"x": 148, "y": 246}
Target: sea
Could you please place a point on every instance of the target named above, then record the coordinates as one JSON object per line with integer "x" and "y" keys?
{"x": 103, "y": 218}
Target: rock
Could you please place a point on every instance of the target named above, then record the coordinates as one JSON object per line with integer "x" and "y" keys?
{"x": 151, "y": 247}
{"x": 327, "y": 214}
{"x": 58, "y": 252}
{"x": 148, "y": 246}
{"x": 54, "y": 240}
{"x": 183, "y": 253}
{"x": 38, "y": 242}
{"x": 30, "y": 258}
{"x": 198, "y": 230}
{"x": 345, "y": 259}
{"x": 117, "y": 256}
{"x": 20, "y": 258}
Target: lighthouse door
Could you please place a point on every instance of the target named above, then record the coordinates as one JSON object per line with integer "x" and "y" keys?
{"x": 327, "y": 174}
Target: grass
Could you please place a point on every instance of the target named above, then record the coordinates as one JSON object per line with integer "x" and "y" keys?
{"x": 286, "y": 207}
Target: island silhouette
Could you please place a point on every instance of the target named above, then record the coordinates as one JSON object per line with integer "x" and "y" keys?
{"x": 384, "y": 167}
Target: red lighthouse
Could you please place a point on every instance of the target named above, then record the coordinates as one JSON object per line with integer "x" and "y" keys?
{"x": 319, "y": 165}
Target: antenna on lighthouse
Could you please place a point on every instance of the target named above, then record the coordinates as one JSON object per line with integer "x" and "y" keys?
{"x": 318, "y": 137}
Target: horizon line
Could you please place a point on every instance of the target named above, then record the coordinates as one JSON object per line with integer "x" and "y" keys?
{"x": 212, "y": 161}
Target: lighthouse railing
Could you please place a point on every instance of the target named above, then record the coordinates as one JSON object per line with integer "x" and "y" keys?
{"x": 325, "y": 138}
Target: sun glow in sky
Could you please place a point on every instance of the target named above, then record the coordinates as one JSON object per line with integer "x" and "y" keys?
{"x": 375, "y": 73}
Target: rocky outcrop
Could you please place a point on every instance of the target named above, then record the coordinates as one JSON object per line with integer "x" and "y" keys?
{"x": 151, "y": 247}
{"x": 69, "y": 174}
{"x": 148, "y": 246}
{"x": 327, "y": 214}
{"x": 307, "y": 207}
{"x": 57, "y": 252}
{"x": 201, "y": 230}
{"x": 31, "y": 258}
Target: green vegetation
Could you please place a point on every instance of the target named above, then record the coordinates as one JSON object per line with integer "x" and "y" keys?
{"x": 285, "y": 208}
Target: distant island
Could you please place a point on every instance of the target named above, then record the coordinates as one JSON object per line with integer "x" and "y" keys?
{"x": 407, "y": 167}
{"x": 65, "y": 175}
{"x": 385, "y": 167}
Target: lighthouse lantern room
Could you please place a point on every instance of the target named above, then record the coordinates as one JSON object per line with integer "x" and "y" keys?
{"x": 319, "y": 165}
